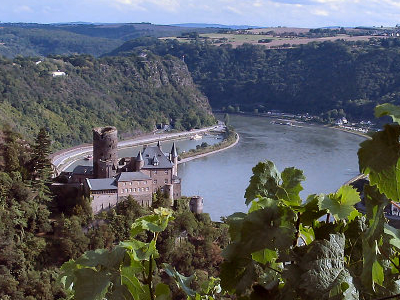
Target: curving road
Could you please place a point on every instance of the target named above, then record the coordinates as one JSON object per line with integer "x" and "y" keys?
{"x": 62, "y": 159}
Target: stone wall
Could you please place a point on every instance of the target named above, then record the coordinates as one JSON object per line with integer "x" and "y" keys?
{"x": 104, "y": 201}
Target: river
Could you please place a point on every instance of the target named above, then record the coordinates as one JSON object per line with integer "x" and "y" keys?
{"x": 327, "y": 156}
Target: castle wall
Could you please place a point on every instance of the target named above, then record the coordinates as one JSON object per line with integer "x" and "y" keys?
{"x": 103, "y": 201}
{"x": 177, "y": 190}
{"x": 136, "y": 188}
{"x": 160, "y": 178}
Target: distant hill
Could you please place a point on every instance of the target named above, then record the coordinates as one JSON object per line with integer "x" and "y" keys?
{"x": 328, "y": 79}
{"x": 205, "y": 25}
{"x": 32, "y": 39}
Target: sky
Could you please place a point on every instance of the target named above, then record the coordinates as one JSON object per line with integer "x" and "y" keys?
{"x": 263, "y": 13}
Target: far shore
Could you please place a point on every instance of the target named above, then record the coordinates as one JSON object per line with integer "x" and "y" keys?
{"x": 294, "y": 120}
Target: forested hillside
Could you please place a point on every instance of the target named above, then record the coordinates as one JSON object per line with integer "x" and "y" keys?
{"x": 132, "y": 93}
{"x": 319, "y": 78}
{"x": 95, "y": 39}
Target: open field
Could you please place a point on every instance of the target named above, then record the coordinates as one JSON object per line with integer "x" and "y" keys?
{"x": 237, "y": 39}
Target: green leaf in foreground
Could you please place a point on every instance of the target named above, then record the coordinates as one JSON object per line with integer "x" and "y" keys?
{"x": 325, "y": 270}
{"x": 380, "y": 159}
{"x": 182, "y": 281}
{"x": 341, "y": 204}
{"x": 264, "y": 182}
{"x": 388, "y": 109}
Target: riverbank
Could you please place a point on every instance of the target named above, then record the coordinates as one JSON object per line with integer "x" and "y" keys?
{"x": 289, "y": 118}
{"x": 224, "y": 145}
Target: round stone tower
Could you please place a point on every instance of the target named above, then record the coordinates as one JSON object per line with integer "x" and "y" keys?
{"x": 196, "y": 204}
{"x": 105, "y": 157}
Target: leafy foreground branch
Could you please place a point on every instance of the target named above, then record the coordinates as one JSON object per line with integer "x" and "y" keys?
{"x": 283, "y": 247}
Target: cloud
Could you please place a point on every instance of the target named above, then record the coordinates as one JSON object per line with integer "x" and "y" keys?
{"x": 320, "y": 12}
{"x": 23, "y": 9}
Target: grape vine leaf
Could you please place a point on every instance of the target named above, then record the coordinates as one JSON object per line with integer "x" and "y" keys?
{"x": 90, "y": 284}
{"x": 394, "y": 234}
{"x": 324, "y": 270}
{"x": 312, "y": 211}
{"x": 380, "y": 159}
{"x": 341, "y": 204}
{"x": 264, "y": 182}
{"x": 388, "y": 109}
{"x": 270, "y": 227}
{"x": 182, "y": 281}
{"x": 290, "y": 188}
{"x": 268, "y": 182}
{"x": 375, "y": 204}
{"x": 156, "y": 222}
{"x": 109, "y": 259}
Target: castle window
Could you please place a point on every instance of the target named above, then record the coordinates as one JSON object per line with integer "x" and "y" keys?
{"x": 130, "y": 190}
{"x": 147, "y": 189}
{"x": 134, "y": 189}
{"x": 122, "y": 191}
{"x": 165, "y": 180}
{"x": 166, "y": 172}
{"x": 155, "y": 181}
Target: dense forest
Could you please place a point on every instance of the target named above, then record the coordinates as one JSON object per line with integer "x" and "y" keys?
{"x": 94, "y": 39}
{"x": 132, "y": 93}
{"x": 327, "y": 79}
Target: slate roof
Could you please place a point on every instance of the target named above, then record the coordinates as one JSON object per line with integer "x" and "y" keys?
{"x": 129, "y": 176}
{"x": 100, "y": 184}
{"x": 148, "y": 155}
{"x": 83, "y": 170}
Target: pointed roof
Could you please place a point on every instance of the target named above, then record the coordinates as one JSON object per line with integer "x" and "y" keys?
{"x": 173, "y": 151}
{"x": 148, "y": 156}
{"x": 139, "y": 157}
{"x": 155, "y": 161}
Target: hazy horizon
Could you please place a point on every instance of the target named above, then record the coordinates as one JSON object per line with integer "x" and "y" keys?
{"x": 262, "y": 13}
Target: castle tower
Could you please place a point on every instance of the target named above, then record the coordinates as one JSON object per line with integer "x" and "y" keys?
{"x": 105, "y": 157}
{"x": 139, "y": 162}
{"x": 174, "y": 160}
{"x": 196, "y": 204}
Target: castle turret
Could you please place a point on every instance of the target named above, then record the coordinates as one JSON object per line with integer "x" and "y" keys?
{"x": 196, "y": 205}
{"x": 105, "y": 158}
{"x": 174, "y": 160}
{"x": 139, "y": 162}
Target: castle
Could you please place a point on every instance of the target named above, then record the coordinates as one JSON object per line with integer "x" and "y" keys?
{"x": 112, "y": 179}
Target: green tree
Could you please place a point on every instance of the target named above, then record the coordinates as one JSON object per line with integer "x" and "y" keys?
{"x": 40, "y": 163}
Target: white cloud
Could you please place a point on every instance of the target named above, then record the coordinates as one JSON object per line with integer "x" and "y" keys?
{"x": 320, "y": 12}
{"x": 23, "y": 9}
